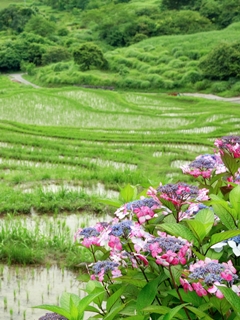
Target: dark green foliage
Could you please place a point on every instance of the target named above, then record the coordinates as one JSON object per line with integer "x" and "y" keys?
{"x": 67, "y": 4}
{"x": 15, "y": 17}
{"x": 230, "y": 12}
{"x": 87, "y": 55}
{"x": 210, "y": 9}
{"x": 55, "y": 54}
{"x": 176, "y": 4}
{"x": 41, "y": 26}
{"x": 222, "y": 62}
{"x": 182, "y": 22}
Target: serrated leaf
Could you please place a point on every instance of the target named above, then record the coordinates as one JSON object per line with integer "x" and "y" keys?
{"x": 234, "y": 197}
{"x": 231, "y": 297}
{"x": 222, "y": 305}
{"x": 218, "y": 237}
{"x": 230, "y": 163}
{"x": 179, "y": 230}
{"x": 128, "y": 193}
{"x": 198, "y": 229}
{"x": 205, "y": 216}
{"x": 224, "y": 216}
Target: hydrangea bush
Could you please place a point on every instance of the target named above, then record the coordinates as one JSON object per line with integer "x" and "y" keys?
{"x": 173, "y": 253}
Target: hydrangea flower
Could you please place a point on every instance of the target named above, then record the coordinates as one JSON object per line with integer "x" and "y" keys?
{"x": 143, "y": 209}
{"x": 181, "y": 193}
{"x": 168, "y": 250}
{"x": 233, "y": 242}
{"x": 204, "y": 165}
{"x": 204, "y": 277}
{"x": 229, "y": 144}
{"x": 101, "y": 268}
{"x": 88, "y": 235}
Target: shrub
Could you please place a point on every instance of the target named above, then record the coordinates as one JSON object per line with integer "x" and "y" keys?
{"x": 192, "y": 76}
{"x": 222, "y": 62}
{"x": 202, "y": 85}
{"x": 55, "y": 54}
{"x": 219, "y": 86}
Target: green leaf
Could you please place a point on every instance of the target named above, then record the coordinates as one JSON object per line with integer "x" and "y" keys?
{"x": 58, "y": 310}
{"x": 230, "y": 163}
{"x": 114, "y": 298}
{"x": 222, "y": 305}
{"x": 74, "y": 311}
{"x": 205, "y": 216}
{"x": 128, "y": 193}
{"x": 179, "y": 230}
{"x": 231, "y": 297}
{"x": 114, "y": 312}
{"x": 173, "y": 312}
{"x": 168, "y": 204}
{"x": 136, "y": 318}
{"x": 157, "y": 309}
{"x": 189, "y": 297}
{"x": 199, "y": 313}
{"x": 148, "y": 293}
{"x": 234, "y": 197}
{"x": 218, "y": 237}
{"x": 224, "y": 215}
{"x": 113, "y": 203}
{"x": 84, "y": 302}
{"x": 198, "y": 229}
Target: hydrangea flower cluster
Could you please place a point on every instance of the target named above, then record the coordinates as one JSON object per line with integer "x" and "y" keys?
{"x": 203, "y": 277}
{"x": 235, "y": 179}
{"x": 143, "y": 209}
{"x": 233, "y": 243}
{"x": 102, "y": 268}
{"x": 168, "y": 250}
{"x": 181, "y": 193}
{"x": 229, "y": 144}
{"x": 204, "y": 165}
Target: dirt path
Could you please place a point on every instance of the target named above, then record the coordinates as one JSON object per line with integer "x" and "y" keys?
{"x": 18, "y": 78}
{"x": 211, "y": 97}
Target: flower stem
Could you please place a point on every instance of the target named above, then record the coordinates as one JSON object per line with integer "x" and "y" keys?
{"x": 177, "y": 289}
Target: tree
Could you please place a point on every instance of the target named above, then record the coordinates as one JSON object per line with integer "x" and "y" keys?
{"x": 55, "y": 54}
{"x": 15, "y": 17}
{"x": 222, "y": 62}
{"x": 89, "y": 54}
{"x": 41, "y": 26}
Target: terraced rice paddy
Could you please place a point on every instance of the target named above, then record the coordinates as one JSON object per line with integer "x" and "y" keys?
{"x": 81, "y": 137}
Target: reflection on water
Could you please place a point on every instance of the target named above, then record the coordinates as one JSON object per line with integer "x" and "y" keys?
{"x": 21, "y": 288}
{"x": 24, "y": 287}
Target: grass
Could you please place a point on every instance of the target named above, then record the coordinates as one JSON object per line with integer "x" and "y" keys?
{"x": 70, "y": 139}
{"x": 37, "y": 241}
{"x": 157, "y": 64}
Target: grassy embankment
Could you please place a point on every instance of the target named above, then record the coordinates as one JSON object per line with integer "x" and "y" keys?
{"x": 166, "y": 63}
{"x": 72, "y": 138}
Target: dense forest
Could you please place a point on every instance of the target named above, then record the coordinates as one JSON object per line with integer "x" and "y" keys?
{"x": 120, "y": 42}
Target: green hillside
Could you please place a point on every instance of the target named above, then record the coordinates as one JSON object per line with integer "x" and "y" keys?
{"x": 144, "y": 45}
